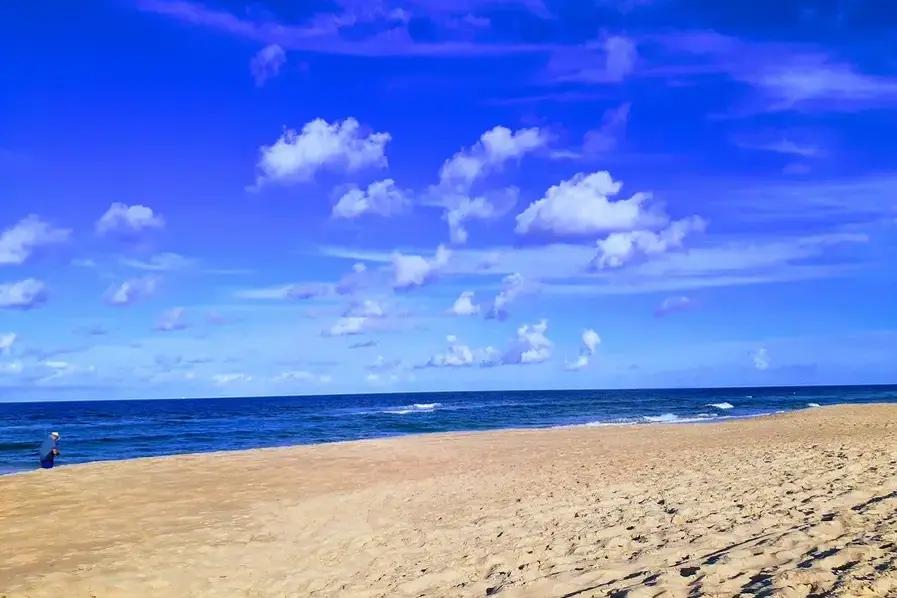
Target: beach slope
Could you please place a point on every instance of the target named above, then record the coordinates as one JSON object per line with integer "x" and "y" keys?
{"x": 802, "y": 504}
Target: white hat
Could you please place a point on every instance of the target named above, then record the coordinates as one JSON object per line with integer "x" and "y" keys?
{"x": 54, "y": 434}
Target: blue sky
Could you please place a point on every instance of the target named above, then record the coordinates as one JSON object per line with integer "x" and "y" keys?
{"x": 228, "y": 198}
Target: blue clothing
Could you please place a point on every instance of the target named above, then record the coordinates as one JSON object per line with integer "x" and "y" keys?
{"x": 47, "y": 447}
{"x": 46, "y": 464}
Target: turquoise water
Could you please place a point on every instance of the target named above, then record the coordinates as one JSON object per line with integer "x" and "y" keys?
{"x": 104, "y": 430}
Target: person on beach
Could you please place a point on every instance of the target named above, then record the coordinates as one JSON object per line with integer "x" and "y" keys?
{"x": 49, "y": 450}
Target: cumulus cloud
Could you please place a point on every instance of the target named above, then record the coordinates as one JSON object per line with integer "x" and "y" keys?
{"x": 583, "y": 206}
{"x": 132, "y": 290}
{"x": 494, "y": 148}
{"x": 590, "y": 342}
{"x": 124, "y": 219}
{"x": 6, "y": 342}
{"x": 416, "y": 271}
{"x": 530, "y": 345}
{"x": 674, "y": 304}
{"x": 18, "y": 242}
{"x": 761, "y": 358}
{"x": 23, "y": 295}
{"x": 368, "y": 308}
{"x": 457, "y": 175}
{"x": 461, "y": 209}
{"x": 381, "y": 198}
{"x": 461, "y": 355}
{"x": 352, "y": 325}
{"x": 171, "y": 320}
{"x": 266, "y": 63}
{"x": 619, "y": 249}
{"x": 298, "y": 156}
{"x": 464, "y": 305}
{"x": 513, "y": 287}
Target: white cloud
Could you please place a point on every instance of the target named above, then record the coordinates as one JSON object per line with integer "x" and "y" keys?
{"x": 266, "y": 63}
{"x": 761, "y": 358}
{"x": 296, "y": 292}
{"x": 350, "y": 325}
{"x": 513, "y": 287}
{"x": 674, "y": 304}
{"x": 582, "y": 206}
{"x": 581, "y": 363}
{"x": 611, "y": 60}
{"x": 367, "y": 308}
{"x": 781, "y": 146}
{"x": 124, "y": 219}
{"x": 461, "y": 209}
{"x": 381, "y": 364}
{"x": 354, "y": 281}
{"x": 530, "y": 345}
{"x": 24, "y": 294}
{"x": 382, "y": 198}
{"x": 619, "y": 249}
{"x": 415, "y": 271}
{"x": 494, "y": 148}
{"x": 50, "y": 371}
{"x": 297, "y": 157}
{"x": 6, "y": 342}
{"x": 719, "y": 261}
{"x": 18, "y": 242}
{"x": 464, "y": 305}
{"x": 132, "y": 290}
{"x": 605, "y": 138}
{"x": 171, "y": 320}
{"x": 160, "y": 262}
{"x": 300, "y": 375}
{"x": 460, "y": 355}
{"x": 621, "y": 54}
{"x": 233, "y": 378}
{"x": 590, "y": 342}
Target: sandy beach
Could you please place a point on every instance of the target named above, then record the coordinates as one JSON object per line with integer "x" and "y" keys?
{"x": 802, "y": 504}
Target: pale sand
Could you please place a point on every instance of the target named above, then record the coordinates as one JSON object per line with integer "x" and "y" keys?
{"x": 796, "y": 505}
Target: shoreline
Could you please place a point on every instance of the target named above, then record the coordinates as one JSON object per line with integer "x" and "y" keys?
{"x": 708, "y": 421}
{"x": 795, "y": 504}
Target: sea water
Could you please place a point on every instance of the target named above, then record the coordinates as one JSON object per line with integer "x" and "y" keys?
{"x": 108, "y": 430}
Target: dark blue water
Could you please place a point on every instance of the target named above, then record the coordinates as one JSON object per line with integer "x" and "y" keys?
{"x": 104, "y": 430}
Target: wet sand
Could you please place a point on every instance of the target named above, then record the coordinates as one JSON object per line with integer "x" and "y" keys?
{"x": 802, "y": 504}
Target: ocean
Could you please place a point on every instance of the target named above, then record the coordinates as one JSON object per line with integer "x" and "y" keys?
{"x": 110, "y": 430}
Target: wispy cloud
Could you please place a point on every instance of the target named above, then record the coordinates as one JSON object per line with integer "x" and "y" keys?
{"x": 391, "y": 35}
{"x": 784, "y": 76}
{"x": 267, "y": 63}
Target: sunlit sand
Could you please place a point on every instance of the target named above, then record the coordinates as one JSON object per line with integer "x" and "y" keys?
{"x": 801, "y": 504}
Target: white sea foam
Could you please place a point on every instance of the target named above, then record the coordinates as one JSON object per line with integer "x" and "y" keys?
{"x": 721, "y": 405}
{"x": 415, "y": 408}
{"x": 813, "y": 405}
